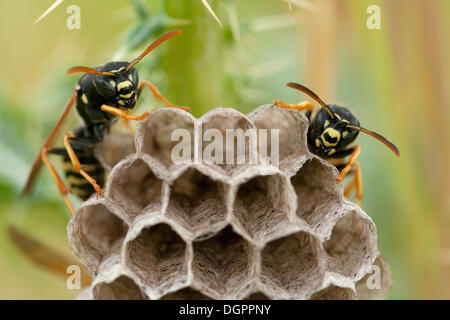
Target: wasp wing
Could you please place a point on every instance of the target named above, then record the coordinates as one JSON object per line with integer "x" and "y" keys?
{"x": 37, "y": 162}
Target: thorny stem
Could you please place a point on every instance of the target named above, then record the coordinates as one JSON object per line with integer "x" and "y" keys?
{"x": 195, "y": 63}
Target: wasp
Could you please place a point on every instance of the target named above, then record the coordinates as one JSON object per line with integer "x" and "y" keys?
{"x": 331, "y": 133}
{"x": 102, "y": 95}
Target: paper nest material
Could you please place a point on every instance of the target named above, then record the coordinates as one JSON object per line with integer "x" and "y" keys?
{"x": 198, "y": 230}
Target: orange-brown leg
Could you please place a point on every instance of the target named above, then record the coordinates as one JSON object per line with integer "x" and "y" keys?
{"x": 305, "y": 105}
{"x": 37, "y": 162}
{"x": 123, "y": 114}
{"x": 350, "y": 163}
{"x": 349, "y": 187}
{"x": 77, "y": 165}
{"x": 359, "y": 184}
{"x": 158, "y": 95}
{"x": 63, "y": 190}
{"x": 356, "y": 183}
{"x": 126, "y": 121}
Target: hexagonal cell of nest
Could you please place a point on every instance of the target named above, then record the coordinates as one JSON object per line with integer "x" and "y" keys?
{"x": 286, "y": 132}
{"x": 352, "y": 245}
{"x": 333, "y": 292}
{"x": 292, "y": 267}
{"x": 185, "y": 294}
{"x": 134, "y": 187}
{"x": 257, "y": 296}
{"x": 162, "y": 131}
{"x": 95, "y": 232}
{"x": 198, "y": 203}
{"x": 317, "y": 192}
{"x": 158, "y": 256}
{"x": 115, "y": 147}
{"x": 200, "y": 230}
{"x": 122, "y": 288}
{"x": 222, "y": 264}
{"x": 228, "y": 141}
{"x": 262, "y": 207}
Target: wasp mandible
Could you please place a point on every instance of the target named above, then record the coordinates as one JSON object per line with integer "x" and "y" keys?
{"x": 330, "y": 135}
{"x": 101, "y": 96}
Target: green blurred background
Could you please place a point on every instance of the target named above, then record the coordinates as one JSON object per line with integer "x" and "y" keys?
{"x": 395, "y": 79}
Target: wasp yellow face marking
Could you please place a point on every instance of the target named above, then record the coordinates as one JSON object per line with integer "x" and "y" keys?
{"x": 317, "y": 143}
{"x": 84, "y": 99}
{"x": 344, "y": 134}
{"x": 332, "y": 151}
{"x": 115, "y": 71}
{"x": 112, "y": 83}
{"x": 127, "y": 96}
{"x": 121, "y": 102}
{"x": 124, "y": 84}
{"x": 130, "y": 77}
{"x": 337, "y": 116}
{"x": 330, "y": 137}
{"x": 326, "y": 124}
{"x": 345, "y": 120}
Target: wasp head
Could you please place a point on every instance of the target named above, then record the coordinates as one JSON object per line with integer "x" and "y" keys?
{"x": 335, "y": 127}
{"x": 117, "y": 85}
{"x": 330, "y": 133}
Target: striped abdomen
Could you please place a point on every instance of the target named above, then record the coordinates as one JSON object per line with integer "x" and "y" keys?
{"x": 78, "y": 184}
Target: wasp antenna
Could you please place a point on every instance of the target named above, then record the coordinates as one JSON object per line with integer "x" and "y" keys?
{"x": 377, "y": 136}
{"x": 161, "y": 39}
{"x": 88, "y": 70}
{"x": 312, "y": 95}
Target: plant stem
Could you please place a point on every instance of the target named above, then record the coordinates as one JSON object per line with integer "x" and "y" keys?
{"x": 195, "y": 62}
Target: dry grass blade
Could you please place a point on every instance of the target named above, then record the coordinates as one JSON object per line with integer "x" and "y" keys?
{"x": 211, "y": 11}
{"x": 44, "y": 256}
{"x": 50, "y": 9}
{"x": 300, "y": 3}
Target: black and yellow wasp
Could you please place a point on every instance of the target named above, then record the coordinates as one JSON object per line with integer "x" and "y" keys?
{"x": 101, "y": 96}
{"x": 330, "y": 134}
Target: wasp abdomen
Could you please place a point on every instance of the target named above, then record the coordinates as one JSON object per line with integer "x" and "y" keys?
{"x": 78, "y": 184}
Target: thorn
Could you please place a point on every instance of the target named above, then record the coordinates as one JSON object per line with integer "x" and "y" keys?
{"x": 291, "y": 11}
{"x": 211, "y": 11}
{"x": 50, "y": 9}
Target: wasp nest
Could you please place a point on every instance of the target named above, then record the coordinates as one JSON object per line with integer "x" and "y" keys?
{"x": 201, "y": 230}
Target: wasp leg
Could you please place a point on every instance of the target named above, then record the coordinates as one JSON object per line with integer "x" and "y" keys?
{"x": 126, "y": 121}
{"x": 305, "y": 105}
{"x": 77, "y": 165}
{"x": 63, "y": 190}
{"x": 158, "y": 95}
{"x": 37, "y": 162}
{"x": 359, "y": 184}
{"x": 350, "y": 163}
{"x": 123, "y": 114}
{"x": 349, "y": 187}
